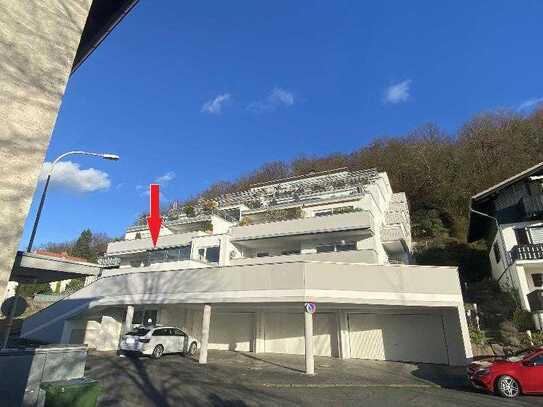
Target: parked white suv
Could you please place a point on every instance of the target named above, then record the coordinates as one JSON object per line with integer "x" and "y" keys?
{"x": 158, "y": 340}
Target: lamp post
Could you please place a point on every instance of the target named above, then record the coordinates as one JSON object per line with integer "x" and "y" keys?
{"x": 105, "y": 156}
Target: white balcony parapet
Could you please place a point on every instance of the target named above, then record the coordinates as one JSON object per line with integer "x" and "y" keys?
{"x": 341, "y": 222}
{"x": 393, "y": 233}
{"x": 368, "y": 256}
{"x": 140, "y": 245}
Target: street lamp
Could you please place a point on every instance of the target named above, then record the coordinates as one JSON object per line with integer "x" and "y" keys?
{"x": 105, "y": 156}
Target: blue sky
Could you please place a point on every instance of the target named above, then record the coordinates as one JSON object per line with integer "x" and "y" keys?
{"x": 196, "y": 92}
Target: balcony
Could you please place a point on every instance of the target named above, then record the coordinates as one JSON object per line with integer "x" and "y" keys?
{"x": 333, "y": 223}
{"x": 533, "y": 205}
{"x": 141, "y": 245}
{"x": 351, "y": 256}
{"x": 527, "y": 252}
{"x": 535, "y": 298}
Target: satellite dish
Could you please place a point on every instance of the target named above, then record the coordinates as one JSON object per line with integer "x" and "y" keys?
{"x": 14, "y": 306}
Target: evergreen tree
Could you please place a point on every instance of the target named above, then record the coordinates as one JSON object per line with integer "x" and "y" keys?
{"x": 83, "y": 247}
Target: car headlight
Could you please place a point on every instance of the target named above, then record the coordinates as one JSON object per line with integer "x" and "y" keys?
{"x": 482, "y": 372}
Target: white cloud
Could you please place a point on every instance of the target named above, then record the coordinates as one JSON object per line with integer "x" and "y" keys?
{"x": 166, "y": 178}
{"x": 529, "y": 104}
{"x": 68, "y": 175}
{"x": 398, "y": 92}
{"x": 278, "y": 97}
{"x": 214, "y": 106}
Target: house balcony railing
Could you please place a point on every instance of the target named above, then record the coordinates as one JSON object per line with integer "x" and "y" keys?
{"x": 527, "y": 252}
{"x": 535, "y": 299}
{"x": 533, "y": 205}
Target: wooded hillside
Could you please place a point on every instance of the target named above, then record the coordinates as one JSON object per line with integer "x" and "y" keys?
{"x": 438, "y": 171}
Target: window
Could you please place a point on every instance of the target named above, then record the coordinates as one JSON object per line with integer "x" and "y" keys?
{"x": 536, "y": 233}
{"x": 324, "y": 213}
{"x": 209, "y": 254}
{"x": 336, "y": 247}
{"x": 288, "y": 252}
{"x": 346, "y": 246}
{"x": 212, "y": 254}
{"x": 145, "y": 317}
{"x": 167, "y": 255}
{"x": 522, "y": 236}
{"x": 538, "y": 360}
{"x": 138, "y": 332}
{"x": 161, "y": 332}
{"x": 179, "y": 332}
{"x": 496, "y": 250}
{"x": 325, "y": 248}
{"x": 537, "y": 278}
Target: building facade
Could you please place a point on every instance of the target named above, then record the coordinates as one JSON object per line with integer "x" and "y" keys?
{"x": 510, "y": 216}
{"x": 237, "y": 271}
{"x": 42, "y": 44}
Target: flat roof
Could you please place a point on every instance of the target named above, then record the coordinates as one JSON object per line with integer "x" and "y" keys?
{"x": 39, "y": 268}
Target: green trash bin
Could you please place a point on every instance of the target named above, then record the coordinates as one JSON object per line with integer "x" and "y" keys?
{"x": 81, "y": 392}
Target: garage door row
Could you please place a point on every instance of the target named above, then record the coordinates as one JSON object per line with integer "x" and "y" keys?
{"x": 396, "y": 337}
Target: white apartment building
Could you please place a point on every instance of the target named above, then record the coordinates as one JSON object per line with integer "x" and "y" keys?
{"x": 510, "y": 215}
{"x": 237, "y": 271}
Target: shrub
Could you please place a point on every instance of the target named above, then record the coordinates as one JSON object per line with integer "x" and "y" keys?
{"x": 188, "y": 210}
{"x": 523, "y": 320}
{"x": 28, "y": 290}
{"x": 208, "y": 226}
{"x": 75, "y": 284}
{"x": 283, "y": 214}
{"x": 245, "y": 222}
{"x": 537, "y": 338}
{"x": 478, "y": 337}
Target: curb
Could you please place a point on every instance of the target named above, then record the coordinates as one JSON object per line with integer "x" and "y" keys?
{"x": 327, "y": 385}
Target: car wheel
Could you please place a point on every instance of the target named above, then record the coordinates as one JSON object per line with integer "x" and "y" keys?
{"x": 508, "y": 387}
{"x": 157, "y": 352}
{"x": 192, "y": 348}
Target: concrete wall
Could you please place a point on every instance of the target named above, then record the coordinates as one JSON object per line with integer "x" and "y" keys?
{"x": 38, "y": 41}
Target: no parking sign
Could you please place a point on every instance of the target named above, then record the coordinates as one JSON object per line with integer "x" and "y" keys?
{"x": 310, "y": 307}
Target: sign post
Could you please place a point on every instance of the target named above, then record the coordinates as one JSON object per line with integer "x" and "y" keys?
{"x": 310, "y": 308}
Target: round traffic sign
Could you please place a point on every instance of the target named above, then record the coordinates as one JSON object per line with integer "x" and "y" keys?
{"x": 310, "y": 307}
{"x": 14, "y": 306}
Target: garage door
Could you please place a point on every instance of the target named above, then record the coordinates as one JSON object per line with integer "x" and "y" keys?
{"x": 284, "y": 333}
{"x": 231, "y": 331}
{"x": 410, "y": 338}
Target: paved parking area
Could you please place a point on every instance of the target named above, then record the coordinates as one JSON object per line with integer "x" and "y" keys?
{"x": 247, "y": 379}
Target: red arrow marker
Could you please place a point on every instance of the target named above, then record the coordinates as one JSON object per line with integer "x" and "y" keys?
{"x": 154, "y": 220}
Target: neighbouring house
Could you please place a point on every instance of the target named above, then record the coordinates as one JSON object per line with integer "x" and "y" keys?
{"x": 243, "y": 266}
{"x": 57, "y": 287}
{"x": 510, "y": 216}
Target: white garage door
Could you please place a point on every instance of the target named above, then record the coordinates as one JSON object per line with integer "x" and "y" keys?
{"x": 284, "y": 333}
{"x": 408, "y": 337}
{"x": 231, "y": 331}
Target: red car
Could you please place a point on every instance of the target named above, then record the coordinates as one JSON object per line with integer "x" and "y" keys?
{"x": 510, "y": 376}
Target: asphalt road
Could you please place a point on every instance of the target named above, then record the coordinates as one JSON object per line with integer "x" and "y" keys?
{"x": 235, "y": 379}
